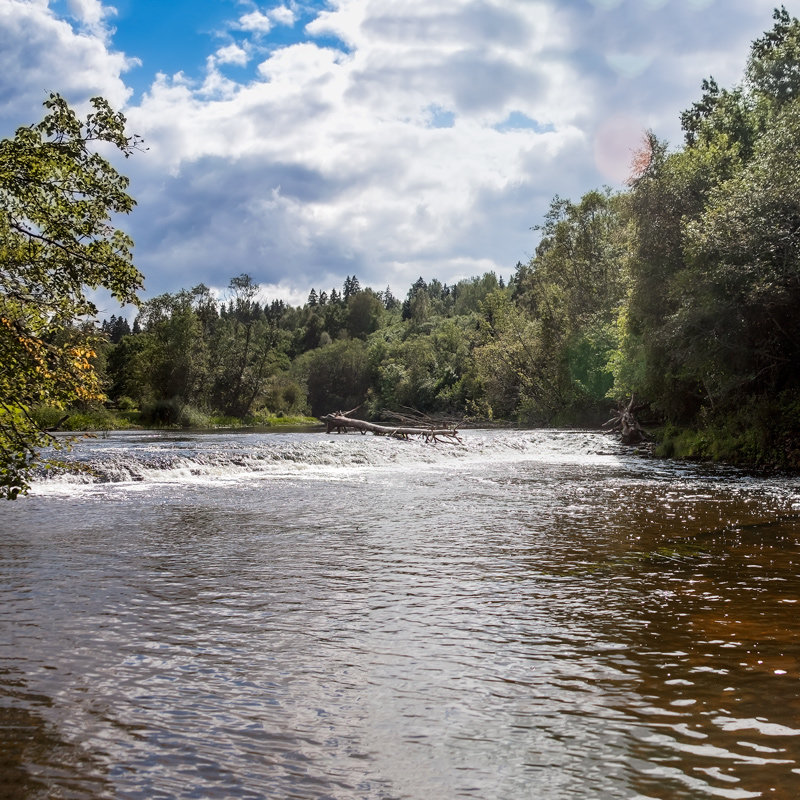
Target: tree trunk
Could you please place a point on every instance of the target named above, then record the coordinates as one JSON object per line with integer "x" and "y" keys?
{"x": 341, "y": 422}
{"x": 626, "y": 423}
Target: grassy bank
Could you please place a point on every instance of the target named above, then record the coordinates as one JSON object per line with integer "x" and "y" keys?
{"x": 107, "y": 419}
{"x": 762, "y": 433}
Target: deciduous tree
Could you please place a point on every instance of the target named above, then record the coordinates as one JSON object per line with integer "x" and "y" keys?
{"x": 57, "y": 198}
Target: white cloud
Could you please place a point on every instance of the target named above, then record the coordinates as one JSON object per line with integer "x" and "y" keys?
{"x": 92, "y": 15}
{"x": 282, "y": 15}
{"x": 41, "y": 53}
{"x": 629, "y": 65}
{"x": 255, "y": 22}
{"x": 337, "y": 166}
{"x": 325, "y": 162}
{"x": 232, "y": 54}
{"x": 262, "y": 22}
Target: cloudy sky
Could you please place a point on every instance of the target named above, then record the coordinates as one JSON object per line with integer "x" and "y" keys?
{"x": 301, "y": 142}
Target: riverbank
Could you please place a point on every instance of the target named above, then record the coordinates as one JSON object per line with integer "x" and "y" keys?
{"x": 112, "y": 419}
{"x": 760, "y": 435}
{"x": 765, "y": 437}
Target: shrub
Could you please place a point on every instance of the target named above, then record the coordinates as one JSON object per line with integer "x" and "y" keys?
{"x": 174, "y": 413}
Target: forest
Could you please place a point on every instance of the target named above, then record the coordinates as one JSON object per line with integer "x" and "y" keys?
{"x": 681, "y": 291}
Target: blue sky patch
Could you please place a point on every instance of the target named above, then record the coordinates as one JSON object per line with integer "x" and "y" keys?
{"x": 180, "y": 35}
{"x": 516, "y": 121}
{"x": 440, "y": 117}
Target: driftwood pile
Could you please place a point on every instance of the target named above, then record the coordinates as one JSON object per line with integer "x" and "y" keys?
{"x": 340, "y": 422}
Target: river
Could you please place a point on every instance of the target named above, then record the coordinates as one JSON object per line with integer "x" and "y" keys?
{"x": 529, "y": 614}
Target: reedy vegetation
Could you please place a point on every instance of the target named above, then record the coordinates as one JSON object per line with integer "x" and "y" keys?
{"x": 683, "y": 289}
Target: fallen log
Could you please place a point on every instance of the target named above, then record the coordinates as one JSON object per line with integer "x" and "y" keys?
{"x": 417, "y": 419}
{"x": 340, "y": 422}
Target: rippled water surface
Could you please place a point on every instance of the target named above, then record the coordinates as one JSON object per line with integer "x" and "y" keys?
{"x": 526, "y": 615}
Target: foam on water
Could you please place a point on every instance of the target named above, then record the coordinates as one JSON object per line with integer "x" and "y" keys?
{"x": 128, "y": 459}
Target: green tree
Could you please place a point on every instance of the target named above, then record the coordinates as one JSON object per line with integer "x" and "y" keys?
{"x": 57, "y": 198}
{"x": 513, "y": 371}
{"x": 364, "y": 312}
{"x": 337, "y": 375}
{"x": 173, "y": 363}
{"x": 709, "y": 313}
{"x": 244, "y": 351}
{"x": 773, "y": 69}
{"x": 471, "y": 292}
{"x": 424, "y": 371}
{"x": 668, "y": 195}
{"x": 352, "y": 286}
{"x": 737, "y": 328}
{"x": 574, "y": 288}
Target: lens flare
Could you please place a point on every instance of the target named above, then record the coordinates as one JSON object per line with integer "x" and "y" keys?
{"x": 616, "y": 141}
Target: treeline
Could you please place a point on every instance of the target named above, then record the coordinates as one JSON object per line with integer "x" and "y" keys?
{"x": 189, "y": 354}
{"x": 683, "y": 290}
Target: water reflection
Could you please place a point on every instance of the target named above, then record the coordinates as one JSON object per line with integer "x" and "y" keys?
{"x": 720, "y": 650}
{"x": 34, "y": 756}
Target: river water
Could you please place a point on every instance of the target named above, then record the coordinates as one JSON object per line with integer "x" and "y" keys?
{"x": 526, "y": 615}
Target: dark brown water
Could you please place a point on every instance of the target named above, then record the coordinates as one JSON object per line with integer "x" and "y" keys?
{"x": 531, "y": 615}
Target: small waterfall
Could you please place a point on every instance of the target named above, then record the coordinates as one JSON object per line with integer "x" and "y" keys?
{"x": 148, "y": 457}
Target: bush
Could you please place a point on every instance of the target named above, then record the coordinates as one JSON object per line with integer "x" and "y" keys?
{"x": 174, "y": 413}
{"x": 47, "y": 417}
{"x": 761, "y": 432}
{"x": 283, "y": 396}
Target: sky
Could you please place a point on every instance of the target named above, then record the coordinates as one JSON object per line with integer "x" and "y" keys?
{"x": 303, "y": 142}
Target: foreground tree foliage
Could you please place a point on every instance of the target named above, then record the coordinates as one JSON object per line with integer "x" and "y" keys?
{"x": 57, "y": 195}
